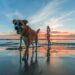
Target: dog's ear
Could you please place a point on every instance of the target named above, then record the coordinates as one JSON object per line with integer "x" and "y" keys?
{"x": 25, "y": 22}
{"x": 21, "y": 21}
{"x": 14, "y": 20}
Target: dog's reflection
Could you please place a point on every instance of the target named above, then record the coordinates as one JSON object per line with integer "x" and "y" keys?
{"x": 29, "y": 68}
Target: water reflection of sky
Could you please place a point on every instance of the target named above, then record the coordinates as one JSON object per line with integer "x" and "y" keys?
{"x": 58, "y": 65}
{"x": 61, "y": 59}
{"x": 60, "y": 48}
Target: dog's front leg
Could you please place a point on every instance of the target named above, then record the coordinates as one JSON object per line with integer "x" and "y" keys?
{"x": 26, "y": 53}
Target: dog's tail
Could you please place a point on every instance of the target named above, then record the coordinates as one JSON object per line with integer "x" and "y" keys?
{"x": 37, "y": 31}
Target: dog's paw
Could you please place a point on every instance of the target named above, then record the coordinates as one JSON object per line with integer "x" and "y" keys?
{"x": 24, "y": 58}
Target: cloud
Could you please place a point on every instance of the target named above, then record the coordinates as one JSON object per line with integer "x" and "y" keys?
{"x": 16, "y": 14}
{"x": 4, "y": 31}
{"x": 56, "y": 23}
{"x": 67, "y": 14}
{"x": 52, "y": 23}
{"x": 63, "y": 17}
{"x": 42, "y": 14}
{"x": 8, "y": 32}
{"x": 46, "y": 16}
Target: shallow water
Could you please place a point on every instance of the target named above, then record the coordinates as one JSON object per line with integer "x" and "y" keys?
{"x": 61, "y": 61}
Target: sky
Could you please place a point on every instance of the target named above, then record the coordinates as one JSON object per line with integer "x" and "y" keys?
{"x": 58, "y": 14}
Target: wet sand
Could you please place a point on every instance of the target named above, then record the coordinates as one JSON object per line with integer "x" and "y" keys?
{"x": 60, "y": 63}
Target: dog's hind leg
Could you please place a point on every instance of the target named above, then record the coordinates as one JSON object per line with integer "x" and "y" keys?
{"x": 32, "y": 52}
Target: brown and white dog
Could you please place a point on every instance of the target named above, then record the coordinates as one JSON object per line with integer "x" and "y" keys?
{"x": 28, "y": 34}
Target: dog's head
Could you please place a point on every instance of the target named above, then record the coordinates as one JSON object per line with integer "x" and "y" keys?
{"x": 19, "y": 25}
